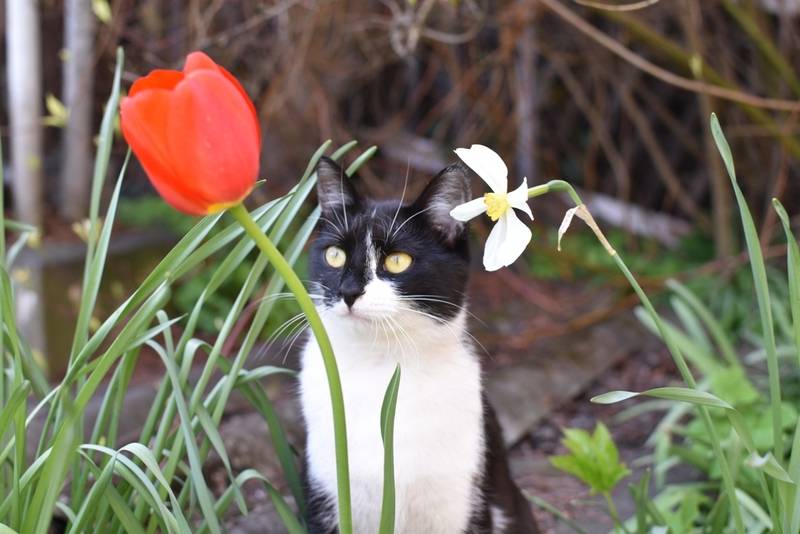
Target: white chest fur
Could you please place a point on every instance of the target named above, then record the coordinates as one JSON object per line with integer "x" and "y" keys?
{"x": 438, "y": 425}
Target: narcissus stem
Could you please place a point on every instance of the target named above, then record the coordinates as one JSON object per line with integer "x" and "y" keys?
{"x": 240, "y": 213}
{"x": 677, "y": 356}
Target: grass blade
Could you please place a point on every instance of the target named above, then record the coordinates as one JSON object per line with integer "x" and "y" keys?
{"x": 762, "y": 290}
{"x": 388, "y": 409}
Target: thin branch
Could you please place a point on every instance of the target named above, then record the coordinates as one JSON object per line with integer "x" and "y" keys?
{"x": 662, "y": 74}
{"x": 620, "y": 7}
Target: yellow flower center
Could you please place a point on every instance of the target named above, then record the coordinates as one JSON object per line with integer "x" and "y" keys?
{"x": 496, "y": 205}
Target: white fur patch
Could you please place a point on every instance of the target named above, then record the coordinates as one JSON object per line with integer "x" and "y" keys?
{"x": 439, "y": 419}
{"x": 499, "y": 519}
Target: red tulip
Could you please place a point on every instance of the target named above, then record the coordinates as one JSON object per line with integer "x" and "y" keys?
{"x": 195, "y": 133}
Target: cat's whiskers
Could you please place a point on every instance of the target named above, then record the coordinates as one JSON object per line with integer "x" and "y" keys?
{"x": 402, "y": 199}
{"x": 382, "y": 322}
{"x": 293, "y": 341}
{"x": 447, "y": 325}
{"x": 416, "y": 352}
{"x": 420, "y": 212}
{"x": 339, "y": 220}
{"x": 289, "y": 324}
{"x": 341, "y": 192}
{"x": 437, "y": 299}
{"x": 339, "y": 233}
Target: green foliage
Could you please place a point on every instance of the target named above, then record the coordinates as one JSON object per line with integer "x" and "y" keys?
{"x": 580, "y": 259}
{"x": 155, "y": 482}
{"x": 737, "y": 398}
{"x": 150, "y": 212}
{"x": 593, "y": 458}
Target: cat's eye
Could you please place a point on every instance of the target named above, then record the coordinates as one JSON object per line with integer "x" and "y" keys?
{"x": 335, "y": 257}
{"x": 397, "y": 262}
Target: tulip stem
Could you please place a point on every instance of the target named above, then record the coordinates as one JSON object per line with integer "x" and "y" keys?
{"x": 240, "y": 213}
{"x": 672, "y": 346}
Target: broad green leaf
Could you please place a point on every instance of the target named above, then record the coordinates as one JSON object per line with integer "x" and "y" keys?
{"x": 593, "y": 458}
{"x": 732, "y": 384}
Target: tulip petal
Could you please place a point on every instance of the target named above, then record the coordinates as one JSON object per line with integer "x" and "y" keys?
{"x": 144, "y": 127}
{"x": 506, "y": 242}
{"x": 158, "y": 79}
{"x": 200, "y": 61}
{"x": 486, "y": 164}
{"x": 468, "y": 210}
{"x": 213, "y": 138}
{"x": 518, "y": 198}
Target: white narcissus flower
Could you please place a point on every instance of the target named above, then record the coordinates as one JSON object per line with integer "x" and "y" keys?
{"x": 510, "y": 236}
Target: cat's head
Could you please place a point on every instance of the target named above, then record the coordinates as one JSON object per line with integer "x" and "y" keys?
{"x": 375, "y": 262}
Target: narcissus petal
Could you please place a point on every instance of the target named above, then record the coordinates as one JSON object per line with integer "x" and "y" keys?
{"x": 506, "y": 242}
{"x": 518, "y": 198}
{"x": 486, "y": 164}
{"x": 468, "y": 210}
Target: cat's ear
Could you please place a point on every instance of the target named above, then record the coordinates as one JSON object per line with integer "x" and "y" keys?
{"x": 334, "y": 188}
{"x": 444, "y": 192}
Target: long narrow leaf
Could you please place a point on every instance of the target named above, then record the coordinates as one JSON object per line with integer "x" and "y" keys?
{"x": 388, "y": 408}
{"x": 762, "y": 290}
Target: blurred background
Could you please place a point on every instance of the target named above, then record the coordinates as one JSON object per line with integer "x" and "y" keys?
{"x": 615, "y": 98}
{"x": 611, "y": 95}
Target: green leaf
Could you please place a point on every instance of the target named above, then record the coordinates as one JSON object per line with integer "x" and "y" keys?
{"x": 289, "y": 520}
{"x": 388, "y": 408}
{"x": 693, "y": 396}
{"x": 758, "y": 269}
{"x": 593, "y": 458}
{"x": 793, "y": 270}
{"x": 732, "y": 384}
{"x": 769, "y": 465}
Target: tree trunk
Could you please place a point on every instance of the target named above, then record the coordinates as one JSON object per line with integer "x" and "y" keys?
{"x": 76, "y": 174}
{"x": 24, "y": 69}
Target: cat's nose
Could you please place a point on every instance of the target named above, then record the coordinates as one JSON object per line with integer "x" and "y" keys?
{"x": 350, "y": 294}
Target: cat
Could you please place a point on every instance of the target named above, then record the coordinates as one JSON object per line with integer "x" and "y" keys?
{"x": 390, "y": 281}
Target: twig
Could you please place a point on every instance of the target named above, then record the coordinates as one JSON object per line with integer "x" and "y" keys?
{"x": 663, "y": 74}
{"x": 621, "y": 7}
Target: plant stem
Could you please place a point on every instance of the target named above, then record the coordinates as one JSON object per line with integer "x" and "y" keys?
{"x": 307, "y": 307}
{"x": 677, "y": 356}
{"x": 612, "y": 510}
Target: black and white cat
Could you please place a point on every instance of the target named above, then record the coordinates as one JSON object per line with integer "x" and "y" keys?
{"x": 390, "y": 278}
